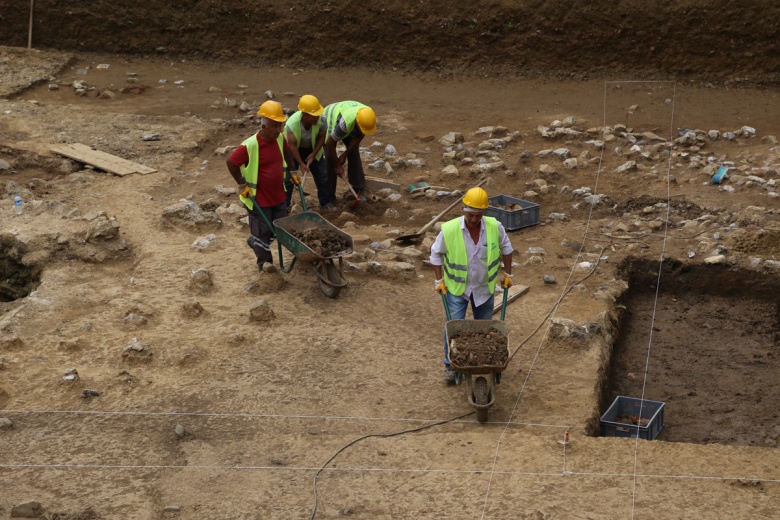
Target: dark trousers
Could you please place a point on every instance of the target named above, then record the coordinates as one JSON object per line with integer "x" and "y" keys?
{"x": 355, "y": 174}
{"x": 319, "y": 172}
{"x": 262, "y": 236}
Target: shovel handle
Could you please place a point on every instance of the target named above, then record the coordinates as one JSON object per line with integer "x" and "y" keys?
{"x": 449, "y": 208}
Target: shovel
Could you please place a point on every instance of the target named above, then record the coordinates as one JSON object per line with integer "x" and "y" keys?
{"x": 405, "y": 239}
{"x": 357, "y": 199}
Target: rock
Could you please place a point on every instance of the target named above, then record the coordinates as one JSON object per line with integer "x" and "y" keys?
{"x": 451, "y": 138}
{"x": 626, "y": 167}
{"x": 561, "y": 153}
{"x": 570, "y": 164}
{"x": 171, "y": 509}
{"x": 204, "y": 242}
{"x": 192, "y": 308}
{"x": 201, "y": 281}
{"x": 180, "y": 431}
{"x": 31, "y": 509}
{"x": 87, "y": 393}
{"x": 6, "y": 423}
{"x": 717, "y": 259}
{"x": 546, "y": 169}
{"x": 102, "y": 229}
{"x": 261, "y": 312}
{"x": 549, "y": 279}
{"x": 450, "y": 171}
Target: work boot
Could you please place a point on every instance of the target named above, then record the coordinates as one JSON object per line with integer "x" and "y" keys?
{"x": 268, "y": 267}
{"x": 449, "y": 375}
{"x": 328, "y": 207}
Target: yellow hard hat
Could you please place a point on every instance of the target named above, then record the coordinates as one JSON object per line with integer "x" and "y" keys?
{"x": 310, "y": 105}
{"x": 366, "y": 120}
{"x": 272, "y": 110}
{"x": 476, "y": 198}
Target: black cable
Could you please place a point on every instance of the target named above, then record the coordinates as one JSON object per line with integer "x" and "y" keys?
{"x": 316, "y": 475}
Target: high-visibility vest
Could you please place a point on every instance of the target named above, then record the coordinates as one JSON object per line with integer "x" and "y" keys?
{"x": 294, "y": 126}
{"x": 249, "y": 171}
{"x": 347, "y": 110}
{"x": 455, "y": 266}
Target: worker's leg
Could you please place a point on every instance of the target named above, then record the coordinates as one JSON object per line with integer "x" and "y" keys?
{"x": 319, "y": 172}
{"x": 332, "y": 179}
{"x": 262, "y": 237}
{"x": 484, "y": 311}
{"x": 355, "y": 174}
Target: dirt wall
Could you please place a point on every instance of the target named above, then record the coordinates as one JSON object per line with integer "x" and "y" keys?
{"x": 711, "y": 40}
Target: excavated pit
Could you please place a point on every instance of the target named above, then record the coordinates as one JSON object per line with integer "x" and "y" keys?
{"x": 17, "y": 280}
{"x": 711, "y": 346}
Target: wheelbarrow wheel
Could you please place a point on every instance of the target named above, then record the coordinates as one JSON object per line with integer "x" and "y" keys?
{"x": 481, "y": 398}
{"x": 331, "y": 272}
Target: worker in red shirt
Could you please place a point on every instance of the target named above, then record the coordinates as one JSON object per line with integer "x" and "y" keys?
{"x": 258, "y": 166}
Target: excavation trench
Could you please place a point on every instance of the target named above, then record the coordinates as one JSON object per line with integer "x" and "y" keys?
{"x": 707, "y": 346}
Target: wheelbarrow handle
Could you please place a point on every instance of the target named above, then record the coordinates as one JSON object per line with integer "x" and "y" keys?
{"x": 503, "y": 305}
{"x": 446, "y": 306}
{"x": 257, "y": 208}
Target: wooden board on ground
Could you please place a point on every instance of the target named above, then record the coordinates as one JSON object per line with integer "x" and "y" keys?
{"x": 376, "y": 184}
{"x": 515, "y": 292}
{"x": 102, "y": 160}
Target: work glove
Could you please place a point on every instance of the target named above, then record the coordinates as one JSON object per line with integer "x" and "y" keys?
{"x": 507, "y": 283}
{"x": 295, "y": 179}
{"x": 440, "y": 287}
{"x": 244, "y": 190}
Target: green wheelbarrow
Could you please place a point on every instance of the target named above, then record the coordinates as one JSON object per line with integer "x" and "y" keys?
{"x": 330, "y": 277}
{"x": 481, "y": 380}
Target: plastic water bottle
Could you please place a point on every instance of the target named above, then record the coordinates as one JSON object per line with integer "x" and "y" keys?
{"x": 18, "y": 204}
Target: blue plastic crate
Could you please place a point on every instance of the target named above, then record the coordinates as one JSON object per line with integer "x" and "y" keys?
{"x": 526, "y": 215}
{"x": 625, "y": 407}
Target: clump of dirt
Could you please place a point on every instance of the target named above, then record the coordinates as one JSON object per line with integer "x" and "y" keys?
{"x": 475, "y": 349}
{"x": 324, "y": 242}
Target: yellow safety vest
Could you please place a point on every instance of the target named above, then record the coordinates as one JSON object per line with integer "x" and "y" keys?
{"x": 455, "y": 266}
{"x": 294, "y": 126}
{"x": 346, "y": 109}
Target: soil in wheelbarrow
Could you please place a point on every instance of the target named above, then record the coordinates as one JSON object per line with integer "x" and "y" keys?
{"x": 324, "y": 242}
{"x": 474, "y": 349}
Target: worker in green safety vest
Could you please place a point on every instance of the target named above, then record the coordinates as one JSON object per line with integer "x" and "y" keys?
{"x": 348, "y": 122}
{"x": 465, "y": 258}
{"x": 258, "y": 167}
{"x": 305, "y": 135}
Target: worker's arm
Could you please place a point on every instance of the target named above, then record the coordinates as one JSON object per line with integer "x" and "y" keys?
{"x": 438, "y": 249}
{"x": 354, "y": 144}
{"x": 319, "y": 144}
{"x": 292, "y": 143}
{"x": 330, "y": 152}
{"x": 238, "y": 158}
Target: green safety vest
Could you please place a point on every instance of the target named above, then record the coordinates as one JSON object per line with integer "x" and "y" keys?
{"x": 249, "y": 171}
{"x": 346, "y": 109}
{"x": 294, "y": 126}
{"x": 455, "y": 267}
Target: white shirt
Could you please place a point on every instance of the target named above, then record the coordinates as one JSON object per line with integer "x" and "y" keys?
{"x": 477, "y": 276}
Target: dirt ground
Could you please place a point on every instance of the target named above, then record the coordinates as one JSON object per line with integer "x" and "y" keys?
{"x": 213, "y": 406}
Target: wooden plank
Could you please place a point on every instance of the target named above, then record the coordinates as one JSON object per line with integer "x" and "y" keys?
{"x": 102, "y": 160}
{"x": 376, "y": 184}
{"x": 515, "y": 292}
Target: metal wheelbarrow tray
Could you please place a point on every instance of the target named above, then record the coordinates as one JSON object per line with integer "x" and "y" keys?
{"x": 481, "y": 390}
{"x": 330, "y": 277}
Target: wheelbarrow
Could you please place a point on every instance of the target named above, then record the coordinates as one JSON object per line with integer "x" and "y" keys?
{"x": 330, "y": 277}
{"x": 481, "y": 380}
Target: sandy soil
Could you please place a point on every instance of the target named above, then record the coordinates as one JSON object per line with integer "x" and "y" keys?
{"x": 212, "y": 413}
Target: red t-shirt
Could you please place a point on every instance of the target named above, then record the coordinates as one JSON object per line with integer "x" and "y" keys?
{"x": 270, "y": 171}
